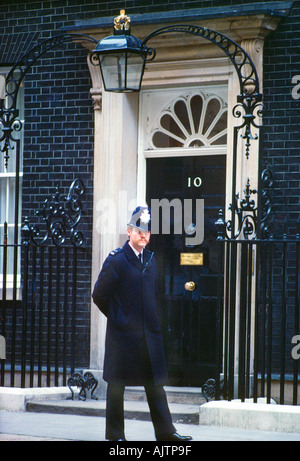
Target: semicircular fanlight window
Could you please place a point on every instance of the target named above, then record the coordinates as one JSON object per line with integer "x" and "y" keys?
{"x": 191, "y": 121}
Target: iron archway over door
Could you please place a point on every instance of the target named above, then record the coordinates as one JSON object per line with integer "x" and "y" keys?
{"x": 249, "y": 108}
{"x": 249, "y": 101}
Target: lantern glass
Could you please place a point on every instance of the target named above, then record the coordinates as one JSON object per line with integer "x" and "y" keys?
{"x": 122, "y": 71}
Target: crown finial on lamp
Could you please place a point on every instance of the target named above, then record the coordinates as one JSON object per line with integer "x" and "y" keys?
{"x": 122, "y": 22}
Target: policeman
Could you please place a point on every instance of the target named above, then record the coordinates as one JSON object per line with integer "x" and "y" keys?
{"x": 125, "y": 292}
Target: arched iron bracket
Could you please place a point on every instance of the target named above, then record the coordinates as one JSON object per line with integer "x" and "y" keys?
{"x": 246, "y": 71}
{"x": 9, "y": 114}
{"x": 249, "y": 101}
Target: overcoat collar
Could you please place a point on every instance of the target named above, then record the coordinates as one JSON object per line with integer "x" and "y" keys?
{"x": 132, "y": 257}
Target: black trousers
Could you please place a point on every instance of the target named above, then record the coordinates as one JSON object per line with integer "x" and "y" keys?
{"x": 158, "y": 405}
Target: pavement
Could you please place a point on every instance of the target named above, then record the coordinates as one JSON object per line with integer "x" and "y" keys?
{"x": 31, "y": 426}
{"x": 47, "y": 414}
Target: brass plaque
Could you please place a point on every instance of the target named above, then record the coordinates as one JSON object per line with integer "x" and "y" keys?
{"x": 191, "y": 259}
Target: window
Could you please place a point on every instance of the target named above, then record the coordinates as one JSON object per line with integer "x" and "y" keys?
{"x": 191, "y": 120}
{"x": 8, "y": 186}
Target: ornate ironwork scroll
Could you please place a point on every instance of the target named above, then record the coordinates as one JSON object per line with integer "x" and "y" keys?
{"x": 247, "y": 213}
{"x": 266, "y": 186}
{"x": 210, "y": 387}
{"x": 60, "y": 215}
{"x": 84, "y": 382}
{"x": 249, "y": 108}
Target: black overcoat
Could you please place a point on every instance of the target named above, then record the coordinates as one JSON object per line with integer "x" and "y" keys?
{"x": 126, "y": 293}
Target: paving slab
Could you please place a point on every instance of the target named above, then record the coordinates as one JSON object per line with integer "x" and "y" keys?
{"x": 64, "y": 427}
{"x": 181, "y": 413}
{"x": 256, "y": 416}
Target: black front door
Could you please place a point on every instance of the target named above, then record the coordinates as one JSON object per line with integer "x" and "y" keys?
{"x": 188, "y": 317}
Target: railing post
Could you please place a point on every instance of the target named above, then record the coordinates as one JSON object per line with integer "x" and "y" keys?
{"x": 3, "y": 303}
{"x": 220, "y": 316}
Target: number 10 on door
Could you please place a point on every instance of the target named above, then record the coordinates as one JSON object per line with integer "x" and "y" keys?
{"x": 194, "y": 182}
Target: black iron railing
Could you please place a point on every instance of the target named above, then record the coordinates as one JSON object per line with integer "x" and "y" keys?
{"x": 39, "y": 297}
{"x": 260, "y": 320}
{"x": 258, "y": 330}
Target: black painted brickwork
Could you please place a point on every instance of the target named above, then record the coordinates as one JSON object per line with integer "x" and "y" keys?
{"x": 281, "y": 146}
{"x": 59, "y": 112}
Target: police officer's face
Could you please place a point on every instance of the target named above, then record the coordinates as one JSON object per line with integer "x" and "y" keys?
{"x": 138, "y": 239}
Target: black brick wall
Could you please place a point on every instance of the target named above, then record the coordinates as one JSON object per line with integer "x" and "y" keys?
{"x": 58, "y": 140}
{"x": 281, "y": 149}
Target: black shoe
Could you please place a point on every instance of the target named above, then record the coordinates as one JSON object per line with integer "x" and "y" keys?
{"x": 175, "y": 438}
{"x": 117, "y": 440}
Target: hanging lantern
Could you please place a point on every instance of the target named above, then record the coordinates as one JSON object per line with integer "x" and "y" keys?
{"x": 121, "y": 57}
